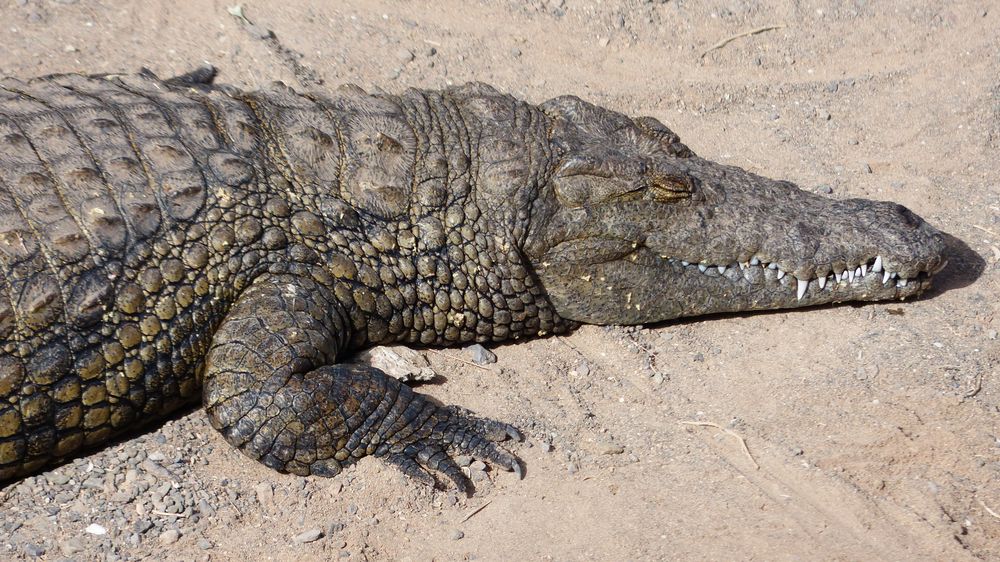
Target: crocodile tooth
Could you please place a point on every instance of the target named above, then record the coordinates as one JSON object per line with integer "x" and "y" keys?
{"x": 864, "y": 269}
{"x": 743, "y": 266}
{"x": 850, "y": 275}
{"x": 878, "y": 264}
{"x": 803, "y": 285}
{"x": 702, "y": 267}
{"x": 857, "y": 272}
{"x": 780, "y": 274}
{"x": 754, "y": 261}
{"x": 685, "y": 264}
{"x": 772, "y": 265}
{"x": 722, "y": 269}
{"x": 885, "y": 277}
{"x": 902, "y": 282}
{"x": 822, "y": 282}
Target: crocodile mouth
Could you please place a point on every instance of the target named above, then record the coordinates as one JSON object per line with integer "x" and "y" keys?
{"x": 872, "y": 279}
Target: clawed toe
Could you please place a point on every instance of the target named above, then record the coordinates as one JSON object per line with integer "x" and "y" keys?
{"x": 454, "y": 432}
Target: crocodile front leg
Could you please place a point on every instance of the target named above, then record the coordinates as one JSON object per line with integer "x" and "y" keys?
{"x": 273, "y": 389}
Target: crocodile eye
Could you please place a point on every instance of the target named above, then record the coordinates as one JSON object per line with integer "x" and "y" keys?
{"x": 670, "y": 188}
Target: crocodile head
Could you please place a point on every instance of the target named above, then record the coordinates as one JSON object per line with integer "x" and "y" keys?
{"x": 632, "y": 227}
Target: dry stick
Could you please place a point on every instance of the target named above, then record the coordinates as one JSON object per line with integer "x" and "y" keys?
{"x": 154, "y": 512}
{"x": 988, "y": 510}
{"x": 478, "y": 509}
{"x": 730, "y": 39}
{"x": 986, "y": 230}
{"x": 459, "y": 359}
{"x": 743, "y": 442}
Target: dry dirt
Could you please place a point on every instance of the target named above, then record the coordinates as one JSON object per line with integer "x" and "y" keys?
{"x": 874, "y": 430}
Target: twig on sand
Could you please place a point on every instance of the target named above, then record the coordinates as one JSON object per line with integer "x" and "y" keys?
{"x": 986, "y": 230}
{"x": 988, "y": 510}
{"x": 477, "y": 510}
{"x": 732, "y": 38}
{"x": 459, "y": 359}
{"x": 743, "y": 442}
{"x": 165, "y": 514}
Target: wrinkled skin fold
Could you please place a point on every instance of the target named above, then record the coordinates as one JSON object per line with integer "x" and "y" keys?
{"x": 169, "y": 242}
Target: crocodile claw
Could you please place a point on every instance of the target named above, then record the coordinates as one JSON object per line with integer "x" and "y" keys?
{"x": 450, "y": 431}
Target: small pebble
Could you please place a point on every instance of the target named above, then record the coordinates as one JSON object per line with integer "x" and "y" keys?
{"x": 611, "y": 448}
{"x": 866, "y": 168}
{"x": 823, "y": 115}
{"x": 95, "y": 529}
{"x": 572, "y": 468}
{"x": 992, "y": 334}
{"x": 404, "y": 55}
{"x": 70, "y": 547}
{"x": 170, "y": 536}
{"x": 457, "y": 535}
{"x": 824, "y": 189}
{"x": 515, "y": 52}
{"x": 34, "y": 550}
{"x": 481, "y": 355}
{"x": 205, "y": 544}
{"x": 265, "y": 493}
{"x": 311, "y": 535}
{"x": 57, "y": 478}
{"x": 604, "y": 41}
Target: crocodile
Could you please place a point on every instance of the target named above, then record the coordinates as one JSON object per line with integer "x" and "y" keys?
{"x": 170, "y": 241}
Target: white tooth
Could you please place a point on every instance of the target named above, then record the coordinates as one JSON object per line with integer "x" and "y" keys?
{"x": 702, "y": 268}
{"x": 803, "y": 285}
{"x": 850, "y": 275}
{"x": 722, "y": 269}
{"x": 744, "y": 265}
{"x": 685, "y": 264}
{"x": 754, "y": 261}
{"x": 857, "y": 272}
{"x": 822, "y": 282}
{"x": 780, "y": 274}
{"x": 878, "y": 264}
{"x": 885, "y": 277}
{"x": 772, "y": 265}
{"x": 864, "y": 269}
{"x": 902, "y": 282}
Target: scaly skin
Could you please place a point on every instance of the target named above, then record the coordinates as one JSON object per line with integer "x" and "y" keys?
{"x": 165, "y": 242}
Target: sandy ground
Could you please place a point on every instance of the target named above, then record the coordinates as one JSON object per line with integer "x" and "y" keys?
{"x": 873, "y": 431}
